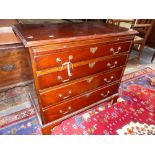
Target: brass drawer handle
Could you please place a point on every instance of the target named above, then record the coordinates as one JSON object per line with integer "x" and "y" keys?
{"x": 106, "y": 80}
{"x": 8, "y": 67}
{"x": 91, "y": 65}
{"x": 70, "y": 57}
{"x": 68, "y": 72}
{"x": 115, "y": 52}
{"x": 93, "y": 49}
{"x": 68, "y": 64}
{"x": 58, "y": 60}
{"x": 65, "y": 112}
{"x": 64, "y": 97}
{"x": 105, "y": 95}
{"x": 61, "y": 79}
{"x": 110, "y": 66}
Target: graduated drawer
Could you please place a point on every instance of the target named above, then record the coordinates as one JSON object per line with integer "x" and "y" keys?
{"x": 92, "y": 67}
{"x": 76, "y": 54}
{"x": 55, "y": 95}
{"x": 79, "y": 102}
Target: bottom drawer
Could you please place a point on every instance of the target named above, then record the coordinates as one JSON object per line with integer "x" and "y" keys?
{"x": 79, "y": 102}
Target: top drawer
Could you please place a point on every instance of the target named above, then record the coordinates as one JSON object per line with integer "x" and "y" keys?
{"x": 76, "y": 54}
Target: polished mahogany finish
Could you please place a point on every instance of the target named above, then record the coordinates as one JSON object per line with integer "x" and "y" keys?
{"x": 34, "y": 35}
{"x": 90, "y": 67}
{"x": 75, "y": 66}
{"x": 53, "y": 96}
{"x": 78, "y": 53}
{"x": 79, "y": 102}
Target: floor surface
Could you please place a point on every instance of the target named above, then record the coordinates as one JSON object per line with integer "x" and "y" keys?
{"x": 145, "y": 61}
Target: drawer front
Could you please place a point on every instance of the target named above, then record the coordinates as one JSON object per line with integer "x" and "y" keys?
{"x": 79, "y": 54}
{"x": 58, "y": 94}
{"x": 14, "y": 66}
{"x": 80, "y": 102}
{"x": 55, "y": 78}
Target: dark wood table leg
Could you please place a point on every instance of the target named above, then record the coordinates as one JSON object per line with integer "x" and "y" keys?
{"x": 153, "y": 57}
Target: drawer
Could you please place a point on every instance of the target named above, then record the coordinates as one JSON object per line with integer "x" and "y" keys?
{"x": 80, "y": 102}
{"x": 14, "y": 66}
{"x": 92, "y": 67}
{"x": 77, "y": 54}
{"x": 55, "y": 95}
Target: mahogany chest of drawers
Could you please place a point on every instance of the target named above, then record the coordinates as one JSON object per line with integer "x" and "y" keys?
{"x": 75, "y": 66}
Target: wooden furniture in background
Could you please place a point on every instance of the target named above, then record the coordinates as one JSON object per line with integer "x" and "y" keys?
{"x": 153, "y": 57}
{"x": 7, "y": 22}
{"x": 15, "y": 69}
{"x": 143, "y": 26}
{"x": 119, "y": 21}
{"x": 75, "y": 66}
{"x": 151, "y": 40}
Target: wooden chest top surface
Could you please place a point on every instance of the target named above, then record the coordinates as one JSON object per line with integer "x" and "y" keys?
{"x": 34, "y": 35}
{"x": 8, "y": 37}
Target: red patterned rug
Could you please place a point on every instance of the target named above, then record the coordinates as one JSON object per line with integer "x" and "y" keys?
{"x": 135, "y": 114}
